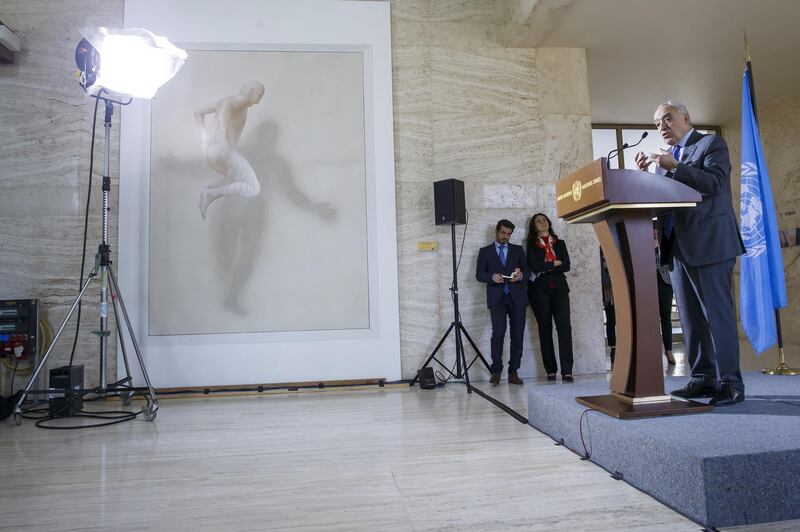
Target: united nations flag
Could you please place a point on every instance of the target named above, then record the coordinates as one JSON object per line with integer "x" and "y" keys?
{"x": 761, "y": 280}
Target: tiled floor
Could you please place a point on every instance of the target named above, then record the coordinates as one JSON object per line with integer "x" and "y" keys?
{"x": 391, "y": 459}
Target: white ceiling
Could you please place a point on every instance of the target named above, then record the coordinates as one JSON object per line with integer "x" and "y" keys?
{"x": 642, "y": 52}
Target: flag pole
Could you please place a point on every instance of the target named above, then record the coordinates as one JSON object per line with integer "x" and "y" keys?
{"x": 782, "y": 368}
{"x": 746, "y": 47}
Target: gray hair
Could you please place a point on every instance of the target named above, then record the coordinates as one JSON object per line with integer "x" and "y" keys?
{"x": 678, "y": 106}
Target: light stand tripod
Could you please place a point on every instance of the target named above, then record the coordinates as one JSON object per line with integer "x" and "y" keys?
{"x": 104, "y": 270}
{"x": 462, "y": 368}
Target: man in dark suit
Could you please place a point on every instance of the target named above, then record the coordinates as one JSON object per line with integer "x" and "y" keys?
{"x": 503, "y": 268}
{"x": 701, "y": 245}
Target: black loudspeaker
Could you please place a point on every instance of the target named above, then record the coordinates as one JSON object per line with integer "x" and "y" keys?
{"x": 449, "y": 205}
{"x": 426, "y": 379}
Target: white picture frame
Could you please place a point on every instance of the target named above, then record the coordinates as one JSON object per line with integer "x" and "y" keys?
{"x": 280, "y": 356}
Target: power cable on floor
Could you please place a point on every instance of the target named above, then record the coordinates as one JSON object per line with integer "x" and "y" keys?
{"x": 586, "y": 453}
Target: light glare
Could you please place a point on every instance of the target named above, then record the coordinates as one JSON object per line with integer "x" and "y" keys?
{"x": 133, "y": 61}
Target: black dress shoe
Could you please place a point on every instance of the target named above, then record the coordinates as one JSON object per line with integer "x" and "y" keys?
{"x": 513, "y": 378}
{"x": 567, "y": 378}
{"x": 551, "y": 376}
{"x": 728, "y": 395}
{"x": 693, "y": 390}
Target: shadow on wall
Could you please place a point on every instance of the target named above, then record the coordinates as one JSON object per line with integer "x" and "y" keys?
{"x": 237, "y": 232}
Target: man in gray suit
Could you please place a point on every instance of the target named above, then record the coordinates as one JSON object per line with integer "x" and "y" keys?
{"x": 701, "y": 245}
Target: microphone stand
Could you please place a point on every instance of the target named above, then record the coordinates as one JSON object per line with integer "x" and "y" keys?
{"x": 624, "y": 147}
{"x": 613, "y": 153}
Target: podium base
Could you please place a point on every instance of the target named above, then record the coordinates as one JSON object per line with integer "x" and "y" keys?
{"x": 621, "y": 409}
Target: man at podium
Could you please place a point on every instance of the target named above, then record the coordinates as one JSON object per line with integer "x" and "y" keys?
{"x": 700, "y": 245}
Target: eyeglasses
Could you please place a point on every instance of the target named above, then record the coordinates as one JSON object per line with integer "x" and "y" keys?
{"x": 667, "y": 119}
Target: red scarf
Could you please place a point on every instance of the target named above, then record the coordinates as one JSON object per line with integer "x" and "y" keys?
{"x": 547, "y": 246}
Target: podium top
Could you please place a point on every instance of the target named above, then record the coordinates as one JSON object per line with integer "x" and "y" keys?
{"x": 594, "y": 192}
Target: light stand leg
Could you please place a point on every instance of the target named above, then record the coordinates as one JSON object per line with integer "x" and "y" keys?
{"x": 127, "y": 378}
{"x": 125, "y": 396}
{"x": 43, "y": 361}
{"x": 154, "y": 401}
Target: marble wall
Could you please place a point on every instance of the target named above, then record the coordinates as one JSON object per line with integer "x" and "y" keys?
{"x": 506, "y": 121}
{"x": 779, "y": 123}
{"x": 44, "y": 167}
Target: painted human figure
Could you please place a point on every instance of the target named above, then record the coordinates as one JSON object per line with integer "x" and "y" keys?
{"x": 220, "y": 145}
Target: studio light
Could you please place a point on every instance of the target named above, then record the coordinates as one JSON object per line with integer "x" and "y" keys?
{"x": 116, "y": 66}
{"x": 133, "y": 61}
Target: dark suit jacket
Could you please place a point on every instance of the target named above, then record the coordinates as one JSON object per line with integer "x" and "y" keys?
{"x": 709, "y": 232}
{"x": 548, "y": 273}
{"x": 489, "y": 264}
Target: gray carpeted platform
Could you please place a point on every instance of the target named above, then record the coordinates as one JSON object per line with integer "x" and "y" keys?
{"x": 736, "y": 465}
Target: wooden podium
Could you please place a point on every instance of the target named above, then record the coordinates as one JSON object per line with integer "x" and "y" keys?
{"x": 620, "y": 205}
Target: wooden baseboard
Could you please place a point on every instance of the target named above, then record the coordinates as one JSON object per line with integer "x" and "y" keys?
{"x": 290, "y": 386}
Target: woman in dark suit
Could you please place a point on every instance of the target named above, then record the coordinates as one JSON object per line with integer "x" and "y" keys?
{"x": 548, "y": 294}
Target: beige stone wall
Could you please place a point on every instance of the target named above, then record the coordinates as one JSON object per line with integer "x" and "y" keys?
{"x": 506, "y": 121}
{"x": 44, "y": 165}
{"x": 779, "y": 123}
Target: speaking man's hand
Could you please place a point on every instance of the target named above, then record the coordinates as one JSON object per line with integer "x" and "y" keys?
{"x": 642, "y": 162}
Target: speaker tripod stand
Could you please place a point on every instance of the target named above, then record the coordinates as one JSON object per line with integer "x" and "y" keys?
{"x": 108, "y": 287}
{"x": 462, "y": 368}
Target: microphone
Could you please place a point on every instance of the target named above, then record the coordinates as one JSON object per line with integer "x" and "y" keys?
{"x": 614, "y": 153}
{"x": 639, "y": 142}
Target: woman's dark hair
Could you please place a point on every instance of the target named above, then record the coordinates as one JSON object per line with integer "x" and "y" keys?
{"x": 533, "y": 234}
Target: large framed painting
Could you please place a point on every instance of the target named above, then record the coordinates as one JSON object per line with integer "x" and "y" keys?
{"x": 258, "y": 194}
{"x": 256, "y": 233}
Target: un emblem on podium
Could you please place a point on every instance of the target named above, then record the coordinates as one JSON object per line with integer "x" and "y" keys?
{"x": 576, "y": 190}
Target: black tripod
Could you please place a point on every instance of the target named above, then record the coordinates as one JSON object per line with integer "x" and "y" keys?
{"x": 462, "y": 368}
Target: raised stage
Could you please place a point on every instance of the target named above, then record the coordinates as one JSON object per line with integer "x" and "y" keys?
{"x": 735, "y": 465}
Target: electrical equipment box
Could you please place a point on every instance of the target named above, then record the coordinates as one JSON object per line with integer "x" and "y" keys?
{"x": 66, "y": 399}
{"x": 19, "y": 322}
{"x": 20, "y": 344}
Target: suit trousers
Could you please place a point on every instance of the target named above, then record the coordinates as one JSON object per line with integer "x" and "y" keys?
{"x": 611, "y": 324}
{"x": 506, "y": 312}
{"x": 708, "y": 319}
{"x": 665, "y": 313}
{"x": 548, "y": 307}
